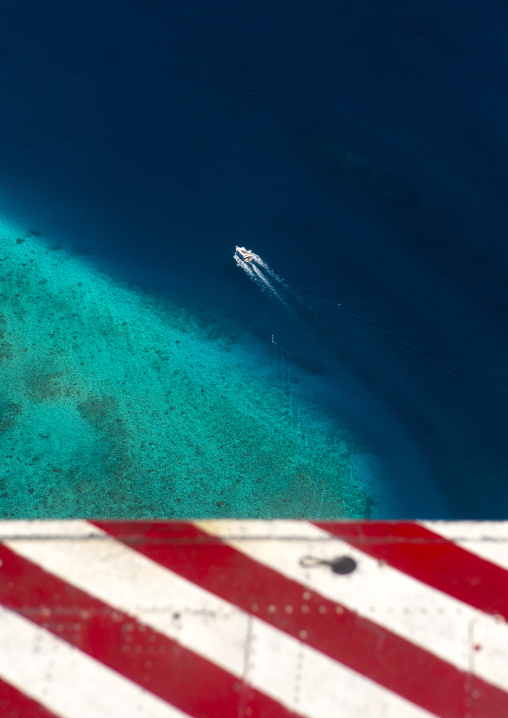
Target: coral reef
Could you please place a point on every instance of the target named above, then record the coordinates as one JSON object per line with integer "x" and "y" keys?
{"x": 114, "y": 405}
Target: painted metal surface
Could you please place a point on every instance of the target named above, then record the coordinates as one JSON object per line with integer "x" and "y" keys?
{"x": 240, "y": 619}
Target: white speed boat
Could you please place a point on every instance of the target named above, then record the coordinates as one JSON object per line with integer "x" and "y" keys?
{"x": 244, "y": 254}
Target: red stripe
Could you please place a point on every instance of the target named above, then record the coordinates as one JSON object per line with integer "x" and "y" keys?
{"x": 346, "y": 637}
{"x": 431, "y": 559}
{"x": 14, "y": 704}
{"x": 118, "y": 640}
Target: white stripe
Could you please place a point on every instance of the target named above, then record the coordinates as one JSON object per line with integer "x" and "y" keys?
{"x": 318, "y": 689}
{"x": 212, "y": 628}
{"x": 47, "y": 529}
{"x": 67, "y": 681}
{"x": 487, "y": 539}
{"x": 413, "y": 610}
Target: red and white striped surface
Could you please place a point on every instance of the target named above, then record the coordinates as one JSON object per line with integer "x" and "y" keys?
{"x": 234, "y": 619}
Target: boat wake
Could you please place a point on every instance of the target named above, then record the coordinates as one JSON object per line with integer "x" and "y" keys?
{"x": 268, "y": 270}
{"x": 267, "y": 280}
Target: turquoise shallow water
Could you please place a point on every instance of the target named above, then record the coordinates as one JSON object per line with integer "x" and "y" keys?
{"x": 113, "y": 404}
{"x": 358, "y": 150}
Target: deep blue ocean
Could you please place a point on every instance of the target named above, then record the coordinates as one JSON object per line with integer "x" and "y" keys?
{"x": 360, "y": 148}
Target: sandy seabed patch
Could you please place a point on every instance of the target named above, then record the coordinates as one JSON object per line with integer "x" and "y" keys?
{"x": 114, "y": 405}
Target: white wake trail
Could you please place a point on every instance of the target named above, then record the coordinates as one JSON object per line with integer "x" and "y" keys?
{"x": 268, "y": 270}
{"x": 257, "y": 259}
{"x": 267, "y": 284}
{"x": 243, "y": 265}
{"x": 256, "y": 274}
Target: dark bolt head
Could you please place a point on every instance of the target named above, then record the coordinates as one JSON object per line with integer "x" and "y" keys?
{"x": 343, "y": 565}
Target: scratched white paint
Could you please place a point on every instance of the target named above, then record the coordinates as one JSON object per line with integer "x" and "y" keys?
{"x": 65, "y": 680}
{"x": 209, "y": 626}
{"x": 413, "y": 610}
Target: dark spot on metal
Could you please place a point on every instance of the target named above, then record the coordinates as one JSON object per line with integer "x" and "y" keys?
{"x": 341, "y": 565}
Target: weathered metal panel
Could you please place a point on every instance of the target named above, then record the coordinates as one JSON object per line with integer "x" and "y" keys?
{"x": 253, "y": 618}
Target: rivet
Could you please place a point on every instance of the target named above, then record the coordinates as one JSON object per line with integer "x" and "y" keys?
{"x": 305, "y": 608}
{"x": 306, "y": 595}
{"x": 289, "y": 609}
{"x": 272, "y": 608}
{"x": 303, "y": 635}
